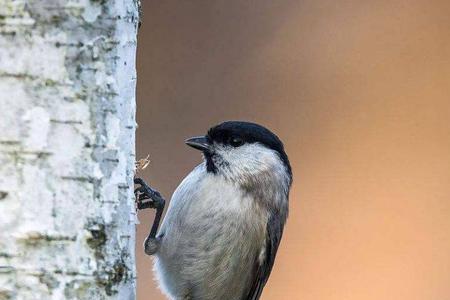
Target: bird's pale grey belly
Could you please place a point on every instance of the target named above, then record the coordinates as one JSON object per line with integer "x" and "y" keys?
{"x": 208, "y": 250}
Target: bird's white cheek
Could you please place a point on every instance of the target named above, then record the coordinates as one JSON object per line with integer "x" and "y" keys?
{"x": 248, "y": 157}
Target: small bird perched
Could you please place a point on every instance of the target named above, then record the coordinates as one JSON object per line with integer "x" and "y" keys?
{"x": 225, "y": 220}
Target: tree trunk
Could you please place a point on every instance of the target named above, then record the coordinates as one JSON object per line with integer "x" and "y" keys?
{"x": 67, "y": 128}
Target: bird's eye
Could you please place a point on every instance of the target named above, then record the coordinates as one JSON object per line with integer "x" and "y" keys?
{"x": 236, "y": 142}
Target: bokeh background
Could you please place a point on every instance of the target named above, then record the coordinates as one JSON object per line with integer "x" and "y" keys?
{"x": 359, "y": 92}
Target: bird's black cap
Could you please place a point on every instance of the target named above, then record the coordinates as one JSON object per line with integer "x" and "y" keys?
{"x": 229, "y": 132}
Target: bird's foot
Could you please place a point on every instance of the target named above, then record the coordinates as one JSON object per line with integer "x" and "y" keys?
{"x": 146, "y": 197}
{"x": 151, "y": 245}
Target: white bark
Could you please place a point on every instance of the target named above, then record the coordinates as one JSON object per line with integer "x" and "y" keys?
{"x": 67, "y": 107}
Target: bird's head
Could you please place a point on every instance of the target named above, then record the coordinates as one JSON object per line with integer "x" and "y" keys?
{"x": 246, "y": 153}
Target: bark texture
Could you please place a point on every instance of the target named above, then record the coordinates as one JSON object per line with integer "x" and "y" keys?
{"x": 67, "y": 130}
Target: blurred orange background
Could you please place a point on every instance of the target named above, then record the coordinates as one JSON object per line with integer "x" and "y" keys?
{"x": 359, "y": 92}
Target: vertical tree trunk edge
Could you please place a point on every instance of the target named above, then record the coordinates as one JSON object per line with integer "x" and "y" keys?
{"x": 67, "y": 149}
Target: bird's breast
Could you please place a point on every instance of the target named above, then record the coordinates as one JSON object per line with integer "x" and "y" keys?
{"x": 211, "y": 228}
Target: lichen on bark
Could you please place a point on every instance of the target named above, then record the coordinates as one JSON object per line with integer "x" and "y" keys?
{"x": 67, "y": 124}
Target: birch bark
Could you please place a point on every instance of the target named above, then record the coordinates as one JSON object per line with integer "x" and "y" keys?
{"x": 67, "y": 131}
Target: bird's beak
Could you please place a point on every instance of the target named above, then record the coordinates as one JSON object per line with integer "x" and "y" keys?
{"x": 199, "y": 143}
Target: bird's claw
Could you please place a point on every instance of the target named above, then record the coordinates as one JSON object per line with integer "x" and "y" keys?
{"x": 146, "y": 197}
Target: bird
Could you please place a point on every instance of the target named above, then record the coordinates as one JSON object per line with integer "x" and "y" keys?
{"x": 224, "y": 223}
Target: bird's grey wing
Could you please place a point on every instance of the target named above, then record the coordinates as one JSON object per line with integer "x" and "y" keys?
{"x": 262, "y": 269}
